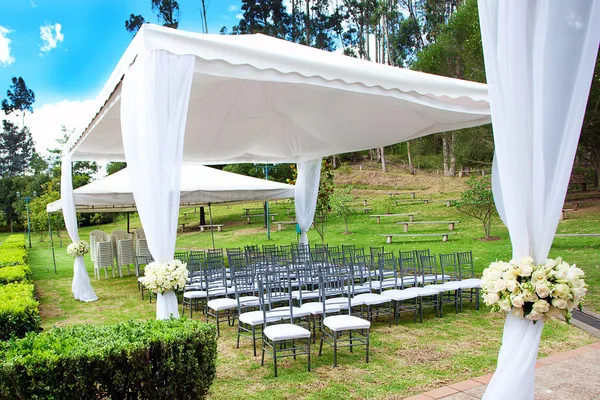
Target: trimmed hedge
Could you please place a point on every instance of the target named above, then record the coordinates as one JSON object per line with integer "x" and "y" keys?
{"x": 13, "y": 251}
{"x": 18, "y": 310}
{"x": 15, "y": 273}
{"x": 173, "y": 359}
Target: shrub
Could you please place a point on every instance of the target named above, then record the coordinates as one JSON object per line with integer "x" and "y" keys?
{"x": 15, "y": 273}
{"x": 12, "y": 256}
{"x": 14, "y": 241}
{"x": 173, "y": 359}
{"x": 18, "y": 310}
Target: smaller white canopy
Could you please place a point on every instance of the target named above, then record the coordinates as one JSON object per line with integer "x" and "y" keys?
{"x": 199, "y": 185}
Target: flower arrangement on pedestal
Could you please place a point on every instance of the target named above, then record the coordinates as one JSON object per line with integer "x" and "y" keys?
{"x": 77, "y": 249}
{"x": 163, "y": 277}
{"x": 531, "y": 291}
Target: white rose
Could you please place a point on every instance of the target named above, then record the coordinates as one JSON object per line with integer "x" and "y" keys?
{"x": 500, "y": 285}
{"x": 550, "y": 263}
{"x": 561, "y": 304}
{"x": 491, "y": 298}
{"x": 538, "y": 276}
{"x": 561, "y": 290}
{"x": 579, "y": 293}
{"x": 518, "y": 301}
{"x": 541, "y": 306}
{"x": 505, "y": 304}
{"x": 512, "y": 285}
{"x": 525, "y": 270}
{"x": 542, "y": 290}
{"x": 510, "y": 274}
{"x": 518, "y": 312}
{"x": 529, "y": 296}
{"x": 535, "y": 315}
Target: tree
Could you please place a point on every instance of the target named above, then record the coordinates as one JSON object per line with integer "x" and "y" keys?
{"x": 340, "y": 203}
{"x": 589, "y": 141}
{"x": 268, "y": 17}
{"x": 113, "y": 167}
{"x": 20, "y": 98}
{"x": 478, "y": 201}
{"x": 134, "y": 23}
{"x": 16, "y": 150}
{"x": 326, "y": 189}
{"x": 167, "y": 12}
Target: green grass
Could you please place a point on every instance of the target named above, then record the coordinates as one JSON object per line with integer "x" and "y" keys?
{"x": 406, "y": 359}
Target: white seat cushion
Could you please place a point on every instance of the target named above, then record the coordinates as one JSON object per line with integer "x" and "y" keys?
{"x": 472, "y": 283}
{"x": 286, "y": 332}
{"x": 369, "y": 299}
{"x": 345, "y": 323}
{"x": 306, "y": 294}
{"x": 424, "y": 291}
{"x": 194, "y": 294}
{"x": 364, "y": 288}
{"x": 298, "y": 312}
{"x": 222, "y": 304}
{"x": 256, "y": 317}
{"x": 316, "y": 308}
{"x": 445, "y": 287}
{"x": 341, "y": 302}
{"x": 399, "y": 295}
{"x": 387, "y": 283}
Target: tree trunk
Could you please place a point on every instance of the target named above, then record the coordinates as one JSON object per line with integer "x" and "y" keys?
{"x": 596, "y": 162}
{"x": 333, "y": 162}
{"x": 307, "y": 24}
{"x": 382, "y": 152}
{"x": 202, "y": 216}
{"x": 445, "y": 152}
{"x": 411, "y": 167}
{"x": 294, "y": 21}
{"x": 452, "y": 169}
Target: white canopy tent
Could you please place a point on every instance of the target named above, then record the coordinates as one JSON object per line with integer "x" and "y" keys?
{"x": 258, "y": 99}
{"x": 200, "y": 185}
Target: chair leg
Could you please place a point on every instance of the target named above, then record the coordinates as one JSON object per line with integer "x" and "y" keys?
{"x": 308, "y": 342}
{"x": 274, "y": 358}
{"x": 335, "y": 349}
{"x": 254, "y": 339}
{"x": 351, "y": 350}
{"x": 321, "y": 345}
{"x": 237, "y": 345}
{"x": 368, "y": 334}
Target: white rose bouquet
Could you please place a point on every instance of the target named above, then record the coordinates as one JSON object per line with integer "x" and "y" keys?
{"x": 162, "y": 277}
{"x": 80, "y": 248}
{"x": 534, "y": 291}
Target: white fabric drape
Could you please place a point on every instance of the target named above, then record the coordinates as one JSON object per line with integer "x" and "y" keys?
{"x": 154, "y": 106}
{"x": 306, "y": 192}
{"x": 81, "y": 286}
{"x": 539, "y": 61}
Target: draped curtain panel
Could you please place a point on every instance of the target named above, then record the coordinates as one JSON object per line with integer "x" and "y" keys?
{"x": 539, "y": 61}
{"x": 81, "y": 286}
{"x": 306, "y": 193}
{"x": 154, "y": 106}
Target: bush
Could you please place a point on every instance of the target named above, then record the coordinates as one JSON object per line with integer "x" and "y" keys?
{"x": 18, "y": 310}
{"x": 173, "y": 359}
{"x": 14, "y": 241}
{"x": 13, "y": 251}
{"x": 15, "y": 273}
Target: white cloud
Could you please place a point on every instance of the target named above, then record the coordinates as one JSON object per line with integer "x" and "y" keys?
{"x": 51, "y": 36}
{"x": 232, "y": 8}
{"x": 45, "y": 123}
{"x": 239, "y": 16}
{"x": 32, "y": 4}
{"x": 5, "y": 57}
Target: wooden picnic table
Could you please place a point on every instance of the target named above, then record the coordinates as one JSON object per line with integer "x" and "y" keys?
{"x": 450, "y": 224}
{"x": 409, "y": 215}
{"x": 281, "y": 224}
{"x": 211, "y": 227}
{"x": 249, "y": 216}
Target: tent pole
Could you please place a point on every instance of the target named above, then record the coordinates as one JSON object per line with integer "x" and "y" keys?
{"x": 212, "y": 232}
{"x": 52, "y": 242}
{"x": 128, "y": 222}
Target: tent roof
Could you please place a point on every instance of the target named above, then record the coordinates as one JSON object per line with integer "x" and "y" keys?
{"x": 255, "y": 98}
{"x": 200, "y": 185}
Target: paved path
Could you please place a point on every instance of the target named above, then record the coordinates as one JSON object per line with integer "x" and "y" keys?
{"x": 572, "y": 375}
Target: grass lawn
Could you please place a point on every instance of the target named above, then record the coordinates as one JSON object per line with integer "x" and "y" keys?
{"x": 406, "y": 359}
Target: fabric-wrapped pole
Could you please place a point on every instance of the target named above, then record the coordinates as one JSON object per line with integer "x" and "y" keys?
{"x": 539, "y": 61}
{"x": 305, "y": 194}
{"x": 154, "y": 106}
{"x": 81, "y": 286}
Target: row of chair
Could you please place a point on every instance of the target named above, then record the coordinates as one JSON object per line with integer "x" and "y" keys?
{"x": 321, "y": 282}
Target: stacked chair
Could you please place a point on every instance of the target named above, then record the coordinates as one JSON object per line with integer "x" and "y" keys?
{"x": 288, "y": 297}
{"x": 123, "y": 250}
{"x": 102, "y": 253}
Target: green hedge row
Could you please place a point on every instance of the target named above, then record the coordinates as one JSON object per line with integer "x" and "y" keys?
{"x": 173, "y": 359}
{"x": 15, "y": 273}
{"x": 13, "y": 251}
{"x": 18, "y": 310}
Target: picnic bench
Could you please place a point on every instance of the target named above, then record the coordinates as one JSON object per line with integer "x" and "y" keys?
{"x": 571, "y": 206}
{"x": 390, "y": 235}
{"x": 577, "y": 234}
{"x": 412, "y": 194}
{"x": 281, "y": 224}
{"x": 451, "y": 202}
{"x": 365, "y": 209}
{"x": 183, "y": 227}
{"x": 249, "y": 216}
{"x": 211, "y": 227}
{"x": 247, "y": 210}
{"x": 450, "y": 224}
{"x": 426, "y": 201}
{"x": 409, "y": 215}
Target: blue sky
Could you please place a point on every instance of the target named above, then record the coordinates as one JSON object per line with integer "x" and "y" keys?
{"x": 76, "y": 59}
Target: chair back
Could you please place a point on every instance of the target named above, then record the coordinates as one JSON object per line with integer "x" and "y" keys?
{"x": 408, "y": 272}
{"x": 420, "y": 253}
{"x": 275, "y": 291}
{"x": 449, "y": 267}
{"x": 466, "y": 267}
{"x": 429, "y": 271}
{"x": 182, "y": 256}
{"x": 388, "y": 270}
{"x": 332, "y": 283}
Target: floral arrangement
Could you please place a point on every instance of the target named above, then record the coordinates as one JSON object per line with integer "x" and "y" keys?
{"x": 162, "y": 277}
{"x": 80, "y": 248}
{"x": 535, "y": 292}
